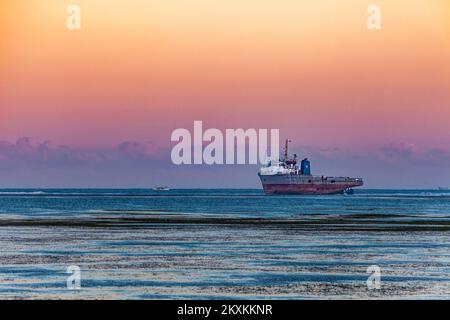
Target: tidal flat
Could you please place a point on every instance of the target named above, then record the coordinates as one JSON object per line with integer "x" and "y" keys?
{"x": 223, "y": 244}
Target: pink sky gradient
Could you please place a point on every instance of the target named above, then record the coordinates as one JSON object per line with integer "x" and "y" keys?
{"x": 138, "y": 70}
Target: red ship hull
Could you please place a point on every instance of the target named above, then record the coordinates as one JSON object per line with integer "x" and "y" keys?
{"x": 306, "y": 189}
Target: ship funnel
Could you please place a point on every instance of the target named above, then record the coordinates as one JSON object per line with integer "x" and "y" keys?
{"x": 305, "y": 167}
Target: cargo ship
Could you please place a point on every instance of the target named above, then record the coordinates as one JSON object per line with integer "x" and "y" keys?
{"x": 287, "y": 177}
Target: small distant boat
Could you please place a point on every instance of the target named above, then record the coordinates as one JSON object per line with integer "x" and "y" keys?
{"x": 161, "y": 188}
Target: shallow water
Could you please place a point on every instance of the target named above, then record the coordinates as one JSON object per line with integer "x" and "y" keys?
{"x": 223, "y": 244}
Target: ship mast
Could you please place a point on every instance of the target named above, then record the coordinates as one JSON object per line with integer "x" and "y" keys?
{"x": 286, "y": 148}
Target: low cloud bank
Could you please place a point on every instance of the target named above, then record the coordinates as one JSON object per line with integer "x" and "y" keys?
{"x": 28, "y": 163}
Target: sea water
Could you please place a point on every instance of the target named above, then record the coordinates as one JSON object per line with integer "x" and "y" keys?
{"x": 211, "y": 244}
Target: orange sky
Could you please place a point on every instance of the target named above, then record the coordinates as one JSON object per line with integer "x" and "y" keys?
{"x": 139, "y": 69}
